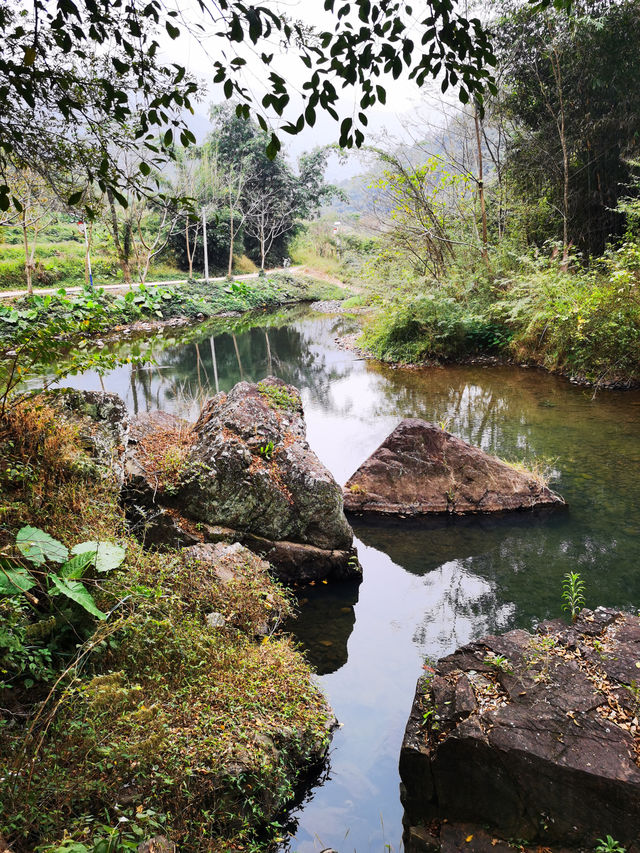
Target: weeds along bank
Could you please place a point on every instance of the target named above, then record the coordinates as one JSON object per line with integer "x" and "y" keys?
{"x": 581, "y": 322}
{"x": 34, "y": 329}
{"x": 124, "y": 713}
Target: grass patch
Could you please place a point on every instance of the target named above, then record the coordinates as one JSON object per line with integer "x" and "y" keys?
{"x": 279, "y": 397}
{"x": 151, "y": 716}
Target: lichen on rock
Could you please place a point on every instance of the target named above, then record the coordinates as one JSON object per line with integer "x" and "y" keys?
{"x": 246, "y": 474}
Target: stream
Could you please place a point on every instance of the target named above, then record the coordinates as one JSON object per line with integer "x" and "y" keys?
{"x": 427, "y": 587}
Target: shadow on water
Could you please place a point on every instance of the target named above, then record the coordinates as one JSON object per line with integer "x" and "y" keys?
{"x": 324, "y": 623}
{"x": 427, "y": 587}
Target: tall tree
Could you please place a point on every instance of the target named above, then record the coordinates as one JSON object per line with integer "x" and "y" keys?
{"x": 265, "y": 196}
{"x": 573, "y": 94}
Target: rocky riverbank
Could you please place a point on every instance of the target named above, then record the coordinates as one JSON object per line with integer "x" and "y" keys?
{"x": 184, "y": 713}
{"x": 531, "y": 736}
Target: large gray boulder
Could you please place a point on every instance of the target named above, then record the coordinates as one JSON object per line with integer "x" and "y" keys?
{"x": 244, "y": 473}
{"x": 533, "y": 736}
{"x": 250, "y": 468}
{"x": 102, "y": 422}
{"x": 421, "y": 469}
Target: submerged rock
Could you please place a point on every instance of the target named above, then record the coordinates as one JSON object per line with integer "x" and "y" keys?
{"x": 532, "y": 736}
{"x": 245, "y": 473}
{"x": 420, "y": 470}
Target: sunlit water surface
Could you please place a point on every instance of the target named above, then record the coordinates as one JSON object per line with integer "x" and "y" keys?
{"x": 427, "y": 588}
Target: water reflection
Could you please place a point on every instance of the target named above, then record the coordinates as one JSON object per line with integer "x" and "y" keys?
{"x": 327, "y": 623}
{"x": 427, "y": 588}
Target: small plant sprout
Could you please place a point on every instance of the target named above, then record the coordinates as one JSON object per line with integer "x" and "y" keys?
{"x": 498, "y": 662}
{"x": 266, "y": 450}
{"x": 609, "y": 845}
{"x": 573, "y": 594}
{"x": 539, "y": 652}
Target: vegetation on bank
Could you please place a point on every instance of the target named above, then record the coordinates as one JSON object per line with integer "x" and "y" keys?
{"x": 34, "y": 329}
{"x": 580, "y": 322}
{"x": 149, "y": 720}
{"x": 512, "y": 228}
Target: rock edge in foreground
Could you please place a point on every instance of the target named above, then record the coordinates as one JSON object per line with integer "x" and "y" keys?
{"x": 534, "y": 736}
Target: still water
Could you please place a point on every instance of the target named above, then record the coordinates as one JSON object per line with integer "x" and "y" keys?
{"x": 427, "y": 588}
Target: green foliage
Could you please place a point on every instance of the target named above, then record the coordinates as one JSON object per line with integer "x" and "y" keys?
{"x": 266, "y": 450}
{"x": 430, "y": 326}
{"x": 581, "y": 321}
{"x": 279, "y": 397}
{"x": 573, "y": 594}
{"x": 609, "y": 845}
{"x": 31, "y": 631}
{"x": 211, "y": 729}
{"x": 132, "y": 829}
{"x": 499, "y": 662}
{"x": 565, "y": 71}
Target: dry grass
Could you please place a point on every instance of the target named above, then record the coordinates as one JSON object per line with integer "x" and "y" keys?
{"x": 542, "y": 470}
{"x": 163, "y": 453}
{"x": 46, "y": 480}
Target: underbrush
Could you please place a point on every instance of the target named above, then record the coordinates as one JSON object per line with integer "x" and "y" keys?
{"x": 270, "y": 291}
{"x": 149, "y": 720}
{"x": 581, "y": 321}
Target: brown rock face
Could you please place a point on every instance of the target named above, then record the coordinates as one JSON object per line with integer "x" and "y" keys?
{"x": 533, "y": 736}
{"x": 420, "y": 469}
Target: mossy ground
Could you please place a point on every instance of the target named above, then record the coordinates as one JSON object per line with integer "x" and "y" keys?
{"x": 150, "y": 719}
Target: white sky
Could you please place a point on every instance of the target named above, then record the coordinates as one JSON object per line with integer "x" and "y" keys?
{"x": 403, "y": 97}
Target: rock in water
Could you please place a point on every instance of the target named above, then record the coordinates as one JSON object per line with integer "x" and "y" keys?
{"x": 246, "y": 474}
{"x": 251, "y": 468}
{"x": 533, "y": 736}
{"x": 420, "y": 470}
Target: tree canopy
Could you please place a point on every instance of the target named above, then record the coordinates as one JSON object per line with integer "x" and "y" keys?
{"x": 75, "y": 72}
{"x": 572, "y": 90}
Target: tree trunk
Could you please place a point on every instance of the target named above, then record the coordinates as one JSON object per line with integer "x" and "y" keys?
{"x": 483, "y": 208}
{"x": 231, "y": 241}
{"x": 122, "y": 255}
{"x": 189, "y": 252}
{"x": 28, "y": 270}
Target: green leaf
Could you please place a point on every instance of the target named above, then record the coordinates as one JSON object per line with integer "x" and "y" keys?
{"x": 273, "y": 147}
{"x": 14, "y": 579}
{"x": 106, "y": 556}
{"x": 77, "y": 592}
{"x": 76, "y": 566}
{"x": 38, "y": 547}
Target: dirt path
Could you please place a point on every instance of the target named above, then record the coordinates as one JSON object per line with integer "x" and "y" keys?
{"x": 330, "y": 279}
{"x": 121, "y": 287}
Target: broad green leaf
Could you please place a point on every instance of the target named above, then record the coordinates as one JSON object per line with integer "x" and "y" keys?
{"x": 107, "y": 555}
{"x": 76, "y": 566}
{"x": 38, "y": 547}
{"x": 14, "y": 579}
{"x": 77, "y": 592}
